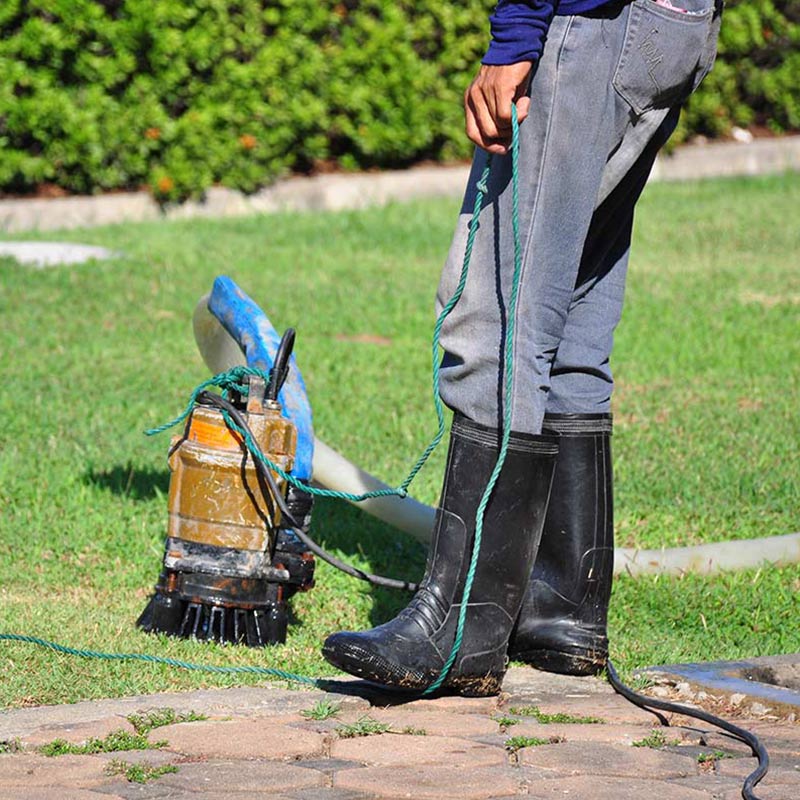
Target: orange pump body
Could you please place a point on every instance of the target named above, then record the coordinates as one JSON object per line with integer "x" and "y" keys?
{"x": 215, "y": 496}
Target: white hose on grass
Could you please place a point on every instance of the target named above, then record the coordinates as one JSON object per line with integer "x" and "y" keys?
{"x": 706, "y": 559}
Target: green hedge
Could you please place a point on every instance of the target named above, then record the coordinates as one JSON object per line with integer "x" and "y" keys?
{"x": 98, "y": 95}
{"x": 756, "y": 79}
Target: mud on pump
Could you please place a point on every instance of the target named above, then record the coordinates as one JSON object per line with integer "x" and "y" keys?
{"x": 232, "y": 558}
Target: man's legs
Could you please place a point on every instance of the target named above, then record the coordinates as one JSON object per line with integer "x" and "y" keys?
{"x": 562, "y": 623}
{"x": 410, "y": 650}
{"x": 568, "y": 144}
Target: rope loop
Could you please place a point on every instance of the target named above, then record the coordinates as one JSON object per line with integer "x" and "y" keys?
{"x": 232, "y": 379}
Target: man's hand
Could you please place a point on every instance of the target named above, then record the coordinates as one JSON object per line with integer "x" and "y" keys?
{"x": 487, "y": 103}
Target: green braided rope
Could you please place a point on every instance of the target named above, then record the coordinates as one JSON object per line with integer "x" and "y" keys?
{"x": 437, "y": 329}
{"x": 508, "y": 389}
{"x": 170, "y": 662}
{"x": 256, "y": 452}
{"x": 231, "y": 380}
{"x": 228, "y": 380}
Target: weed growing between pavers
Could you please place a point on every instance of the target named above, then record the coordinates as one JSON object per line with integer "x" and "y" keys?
{"x": 367, "y": 726}
{"x": 655, "y": 740}
{"x": 640, "y": 682}
{"x": 540, "y": 716}
{"x": 516, "y": 743}
{"x": 138, "y": 773}
{"x": 716, "y": 755}
{"x": 115, "y": 741}
{"x": 160, "y": 717}
{"x": 322, "y": 709}
{"x": 363, "y": 726}
{"x": 505, "y": 722}
{"x": 10, "y": 746}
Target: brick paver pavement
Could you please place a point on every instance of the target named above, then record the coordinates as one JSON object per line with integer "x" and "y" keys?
{"x": 258, "y": 743}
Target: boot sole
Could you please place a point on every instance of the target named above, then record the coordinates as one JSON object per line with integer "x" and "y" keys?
{"x": 563, "y": 663}
{"x": 376, "y": 669}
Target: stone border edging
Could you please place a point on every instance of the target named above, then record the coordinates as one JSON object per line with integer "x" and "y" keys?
{"x": 360, "y": 190}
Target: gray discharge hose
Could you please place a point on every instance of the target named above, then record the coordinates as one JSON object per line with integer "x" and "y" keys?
{"x": 333, "y": 471}
{"x": 706, "y": 559}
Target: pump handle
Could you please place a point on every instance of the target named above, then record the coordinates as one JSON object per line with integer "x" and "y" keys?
{"x": 280, "y": 367}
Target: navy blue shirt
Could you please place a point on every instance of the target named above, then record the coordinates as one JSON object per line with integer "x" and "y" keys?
{"x": 519, "y": 27}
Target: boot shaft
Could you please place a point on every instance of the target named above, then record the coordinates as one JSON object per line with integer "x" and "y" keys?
{"x": 576, "y": 556}
{"x": 562, "y": 623}
{"x": 518, "y": 501}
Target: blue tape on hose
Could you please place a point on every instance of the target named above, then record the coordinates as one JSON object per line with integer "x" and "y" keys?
{"x": 255, "y": 334}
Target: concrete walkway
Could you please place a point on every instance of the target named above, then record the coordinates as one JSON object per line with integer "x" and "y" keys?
{"x": 276, "y": 743}
{"x": 359, "y": 190}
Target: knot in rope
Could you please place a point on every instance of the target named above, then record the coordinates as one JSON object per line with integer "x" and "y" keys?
{"x": 230, "y": 380}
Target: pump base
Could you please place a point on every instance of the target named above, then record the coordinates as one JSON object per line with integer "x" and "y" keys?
{"x": 174, "y": 615}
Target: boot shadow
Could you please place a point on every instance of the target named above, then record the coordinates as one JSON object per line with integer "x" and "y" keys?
{"x": 378, "y": 696}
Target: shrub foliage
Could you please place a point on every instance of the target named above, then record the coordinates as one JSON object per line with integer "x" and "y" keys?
{"x": 115, "y": 94}
{"x": 756, "y": 79}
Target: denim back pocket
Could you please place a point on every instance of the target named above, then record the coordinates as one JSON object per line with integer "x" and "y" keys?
{"x": 666, "y": 52}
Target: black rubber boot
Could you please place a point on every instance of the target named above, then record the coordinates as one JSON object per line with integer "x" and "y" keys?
{"x": 409, "y": 651}
{"x": 562, "y": 624}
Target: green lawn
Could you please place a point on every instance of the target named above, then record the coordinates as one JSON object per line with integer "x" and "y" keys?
{"x": 706, "y": 447}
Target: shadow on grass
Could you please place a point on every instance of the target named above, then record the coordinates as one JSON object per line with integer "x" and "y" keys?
{"x": 129, "y": 481}
{"x": 338, "y": 525}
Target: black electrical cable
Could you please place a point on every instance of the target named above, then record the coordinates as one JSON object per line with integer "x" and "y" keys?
{"x": 280, "y": 366}
{"x": 207, "y": 398}
{"x": 743, "y": 735}
{"x": 647, "y": 703}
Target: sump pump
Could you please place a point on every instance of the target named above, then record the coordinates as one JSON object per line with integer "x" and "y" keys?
{"x": 231, "y": 562}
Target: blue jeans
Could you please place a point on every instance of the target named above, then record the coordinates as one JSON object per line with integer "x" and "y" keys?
{"x": 605, "y": 97}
